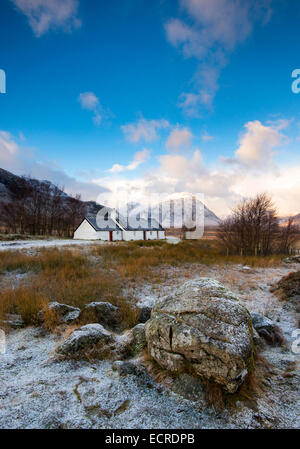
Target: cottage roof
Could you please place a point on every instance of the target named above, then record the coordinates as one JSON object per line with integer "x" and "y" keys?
{"x": 142, "y": 224}
{"x": 110, "y": 226}
{"x": 121, "y": 223}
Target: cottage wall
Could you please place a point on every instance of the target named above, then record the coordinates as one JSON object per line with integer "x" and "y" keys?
{"x": 85, "y": 232}
{"x": 117, "y": 235}
{"x": 103, "y": 235}
{"x": 133, "y": 235}
{"x": 151, "y": 235}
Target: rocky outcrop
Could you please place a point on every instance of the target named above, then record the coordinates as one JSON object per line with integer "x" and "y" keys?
{"x": 101, "y": 312}
{"x": 91, "y": 336}
{"x": 204, "y": 329}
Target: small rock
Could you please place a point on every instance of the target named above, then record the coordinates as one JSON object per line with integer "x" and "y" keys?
{"x": 292, "y": 259}
{"x": 139, "y": 337}
{"x": 85, "y": 338}
{"x": 64, "y": 312}
{"x": 145, "y": 314}
{"x": 124, "y": 368}
{"x": 124, "y": 344}
{"x": 256, "y": 338}
{"x": 261, "y": 322}
{"x": 131, "y": 342}
{"x": 102, "y": 312}
{"x": 266, "y": 328}
{"x": 246, "y": 269}
{"x": 189, "y": 387}
{"x": 13, "y": 321}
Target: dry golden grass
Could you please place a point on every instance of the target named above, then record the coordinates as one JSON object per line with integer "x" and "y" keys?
{"x": 66, "y": 276}
{"x": 23, "y": 301}
{"x": 45, "y": 259}
{"x": 138, "y": 259}
{"x": 73, "y": 277}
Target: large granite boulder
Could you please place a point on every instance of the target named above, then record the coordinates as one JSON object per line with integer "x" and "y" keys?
{"x": 203, "y": 329}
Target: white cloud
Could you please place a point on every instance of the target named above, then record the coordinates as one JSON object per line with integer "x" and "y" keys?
{"x": 209, "y": 33}
{"x": 258, "y": 143}
{"x": 144, "y": 130}
{"x": 179, "y": 138}
{"x": 90, "y": 101}
{"x": 8, "y": 147}
{"x": 139, "y": 158}
{"x": 44, "y": 15}
{"x": 21, "y": 160}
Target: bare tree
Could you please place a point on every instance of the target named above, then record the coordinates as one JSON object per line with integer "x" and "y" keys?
{"x": 289, "y": 234}
{"x": 252, "y": 229}
{"x": 41, "y": 208}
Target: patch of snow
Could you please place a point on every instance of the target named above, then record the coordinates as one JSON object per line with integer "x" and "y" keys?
{"x": 24, "y": 244}
{"x": 173, "y": 240}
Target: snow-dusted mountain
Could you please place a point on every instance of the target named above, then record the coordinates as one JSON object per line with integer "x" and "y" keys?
{"x": 174, "y": 212}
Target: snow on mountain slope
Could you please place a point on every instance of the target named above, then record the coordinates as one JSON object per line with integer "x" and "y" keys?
{"x": 174, "y": 212}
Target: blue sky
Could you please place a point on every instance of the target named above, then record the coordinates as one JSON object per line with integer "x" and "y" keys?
{"x": 167, "y": 95}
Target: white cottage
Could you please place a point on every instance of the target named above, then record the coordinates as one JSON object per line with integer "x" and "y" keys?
{"x": 113, "y": 229}
{"x": 89, "y": 230}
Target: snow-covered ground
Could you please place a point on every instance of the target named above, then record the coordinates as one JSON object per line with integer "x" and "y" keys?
{"x": 38, "y": 391}
{"x": 24, "y": 244}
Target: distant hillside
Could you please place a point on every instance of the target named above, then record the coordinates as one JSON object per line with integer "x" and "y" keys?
{"x": 10, "y": 185}
{"x": 39, "y": 207}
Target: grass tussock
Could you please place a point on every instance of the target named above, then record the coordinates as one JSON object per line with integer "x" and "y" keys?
{"x": 43, "y": 260}
{"x": 288, "y": 286}
{"x": 22, "y": 301}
